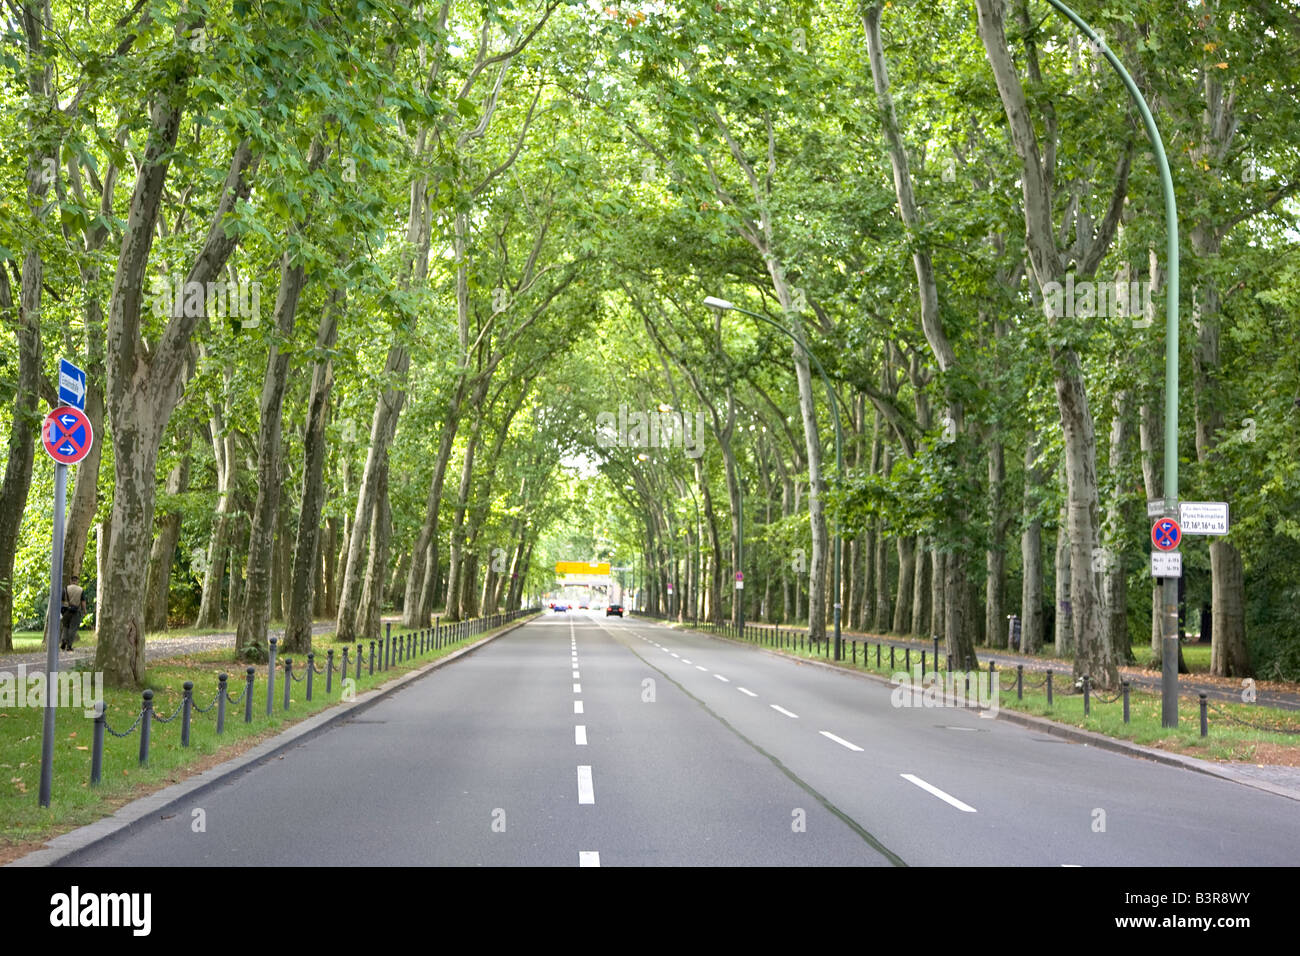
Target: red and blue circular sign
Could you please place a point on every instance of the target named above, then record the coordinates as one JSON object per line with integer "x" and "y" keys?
{"x": 1166, "y": 534}
{"x": 67, "y": 435}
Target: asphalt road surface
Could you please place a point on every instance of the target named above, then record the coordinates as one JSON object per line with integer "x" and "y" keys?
{"x": 581, "y": 740}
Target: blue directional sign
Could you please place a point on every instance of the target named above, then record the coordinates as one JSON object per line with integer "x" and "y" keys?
{"x": 72, "y": 385}
{"x": 67, "y": 435}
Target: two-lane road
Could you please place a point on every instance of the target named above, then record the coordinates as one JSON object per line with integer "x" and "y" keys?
{"x": 581, "y": 740}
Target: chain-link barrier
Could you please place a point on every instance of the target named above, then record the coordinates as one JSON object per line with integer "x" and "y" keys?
{"x": 129, "y": 731}
{"x": 204, "y": 710}
{"x": 167, "y": 720}
{"x": 1288, "y": 731}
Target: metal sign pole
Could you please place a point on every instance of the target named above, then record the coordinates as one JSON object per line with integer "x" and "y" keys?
{"x": 53, "y": 620}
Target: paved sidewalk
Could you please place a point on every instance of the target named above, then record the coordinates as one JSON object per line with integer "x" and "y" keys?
{"x": 159, "y": 647}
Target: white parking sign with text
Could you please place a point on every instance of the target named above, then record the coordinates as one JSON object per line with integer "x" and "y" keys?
{"x": 1203, "y": 517}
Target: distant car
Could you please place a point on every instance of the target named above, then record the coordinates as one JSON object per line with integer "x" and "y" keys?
{"x": 582, "y": 607}
{"x": 561, "y": 607}
{"x": 614, "y": 609}
{"x": 551, "y": 605}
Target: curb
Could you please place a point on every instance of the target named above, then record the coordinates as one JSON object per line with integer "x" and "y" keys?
{"x": 1067, "y": 731}
{"x": 67, "y": 847}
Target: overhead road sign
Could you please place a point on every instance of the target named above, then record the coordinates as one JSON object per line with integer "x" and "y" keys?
{"x": 581, "y": 567}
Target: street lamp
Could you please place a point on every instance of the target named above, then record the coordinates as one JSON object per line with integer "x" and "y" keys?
{"x": 1169, "y": 586}
{"x": 716, "y": 303}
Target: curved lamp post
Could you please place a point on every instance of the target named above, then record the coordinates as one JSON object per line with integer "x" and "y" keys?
{"x": 716, "y": 303}
{"x": 1169, "y": 587}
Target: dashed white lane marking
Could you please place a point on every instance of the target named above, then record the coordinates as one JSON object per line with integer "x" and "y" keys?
{"x": 840, "y": 740}
{"x": 588, "y": 858}
{"x": 782, "y": 710}
{"x": 685, "y": 661}
{"x": 580, "y": 735}
{"x": 577, "y": 688}
{"x": 577, "y": 706}
{"x": 721, "y": 678}
{"x": 678, "y": 656}
{"x": 945, "y": 797}
{"x": 586, "y": 793}
{"x": 575, "y": 675}
{"x": 701, "y": 667}
{"x": 746, "y": 692}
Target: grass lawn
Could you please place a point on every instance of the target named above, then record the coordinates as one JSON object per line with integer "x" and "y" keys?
{"x": 1226, "y": 740}
{"x": 26, "y": 642}
{"x": 1195, "y": 656}
{"x": 24, "y": 823}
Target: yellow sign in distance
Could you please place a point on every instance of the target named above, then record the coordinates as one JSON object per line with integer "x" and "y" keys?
{"x": 581, "y": 567}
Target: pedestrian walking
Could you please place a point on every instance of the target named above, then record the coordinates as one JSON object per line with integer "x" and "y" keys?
{"x": 74, "y": 606}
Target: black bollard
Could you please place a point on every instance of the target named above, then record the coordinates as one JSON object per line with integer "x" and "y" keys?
{"x": 146, "y": 718}
{"x": 186, "y": 703}
{"x": 221, "y": 703}
{"x": 1205, "y": 717}
{"x": 1124, "y": 687}
{"x": 270, "y": 679}
{"x": 248, "y": 695}
{"x": 97, "y": 745}
{"x": 1049, "y": 687}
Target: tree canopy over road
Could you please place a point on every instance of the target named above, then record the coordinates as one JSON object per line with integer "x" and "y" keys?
{"x": 387, "y": 306}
